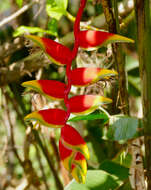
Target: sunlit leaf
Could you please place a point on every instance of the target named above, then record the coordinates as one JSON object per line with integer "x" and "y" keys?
{"x": 57, "y": 8}
{"x": 19, "y": 2}
{"x": 32, "y": 30}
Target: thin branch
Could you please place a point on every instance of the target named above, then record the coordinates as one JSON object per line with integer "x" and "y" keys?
{"x": 41, "y": 168}
{"x": 11, "y": 130}
{"x": 119, "y": 58}
{"x": 50, "y": 164}
{"x": 26, "y": 66}
{"x": 18, "y": 13}
{"x": 142, "y": 10}
{"x": 9, "y": 48}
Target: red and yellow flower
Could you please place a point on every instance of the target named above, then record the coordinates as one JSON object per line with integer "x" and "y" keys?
{"x": 73, "y": 149}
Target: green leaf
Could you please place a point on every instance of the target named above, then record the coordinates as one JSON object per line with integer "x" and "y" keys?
{"x": 19, "y": 2}
{"x": 131, "y": 63}
{"x": 62, "y": 3}
{"x": 92, "y": 116}
{"x": 24, "y": 29}
{"x": 123, "y": 159}
{"x": 134, "y": 87}
{"x": 53, "y": 26}
{"x": 115, "y": 169}
{"x": 96, "y": 180}
{"x": 56, "y": 8}
{"x": 122, "y": 127}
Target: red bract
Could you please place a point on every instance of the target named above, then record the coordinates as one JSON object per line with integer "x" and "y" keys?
{"x": 72, "y": 139}
{"x": 86, "y": 76}
{"x": 48, "y": 117}
{"x": 57, "y": 53}
{"x": 89, "y": 39}
{"x": 85, "y": 104}
{"x": 50, "y": 88}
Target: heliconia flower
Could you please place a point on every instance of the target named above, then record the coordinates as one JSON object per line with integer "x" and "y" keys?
{"x": 86, "y": 76}
{"x": 89, "y": 39}
{"x": 49, "y": 117}
{"x": 57, "y": 53}
{"x": 50, "y": 88}
{"x": 85, "y": 104}
{"x": 74, "y": 162}
{"x": 73, "y": 140}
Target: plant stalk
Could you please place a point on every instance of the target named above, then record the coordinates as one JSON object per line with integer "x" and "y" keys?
{"x": 142, "y": 11}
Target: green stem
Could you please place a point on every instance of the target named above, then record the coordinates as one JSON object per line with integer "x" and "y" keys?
{"x": 70, "y": 17}
{"x": 144, "y": 46}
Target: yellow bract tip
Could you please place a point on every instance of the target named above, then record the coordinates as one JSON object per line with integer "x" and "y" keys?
{"x": 36, "y": 39}
{"x": 119, "y": 38}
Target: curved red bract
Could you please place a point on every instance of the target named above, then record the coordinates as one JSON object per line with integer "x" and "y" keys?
{"x": 58, "y": 52}
{"x": 53, "y": 116}
{"x": 81, "y": 103}
{"x": 83, "y": 76}
{"x": 53, "y": 88}
{"x": 64, "y": 151}
{"x": 71, "y": 136}
{"x": 91, "y": 38}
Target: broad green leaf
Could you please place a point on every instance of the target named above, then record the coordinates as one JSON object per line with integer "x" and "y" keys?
{"x": 56, "y": 8}
{"x": 92, "y": 116}
{"x": 122, "y": 128}
{"x": 96, "y": 180}
{"x": 19, "y": 2}
{"x": 24, "y": 29}
{"x": 115, "y": 169}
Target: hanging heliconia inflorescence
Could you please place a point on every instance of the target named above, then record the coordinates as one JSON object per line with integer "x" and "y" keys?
{"x": 73, "y": 149}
